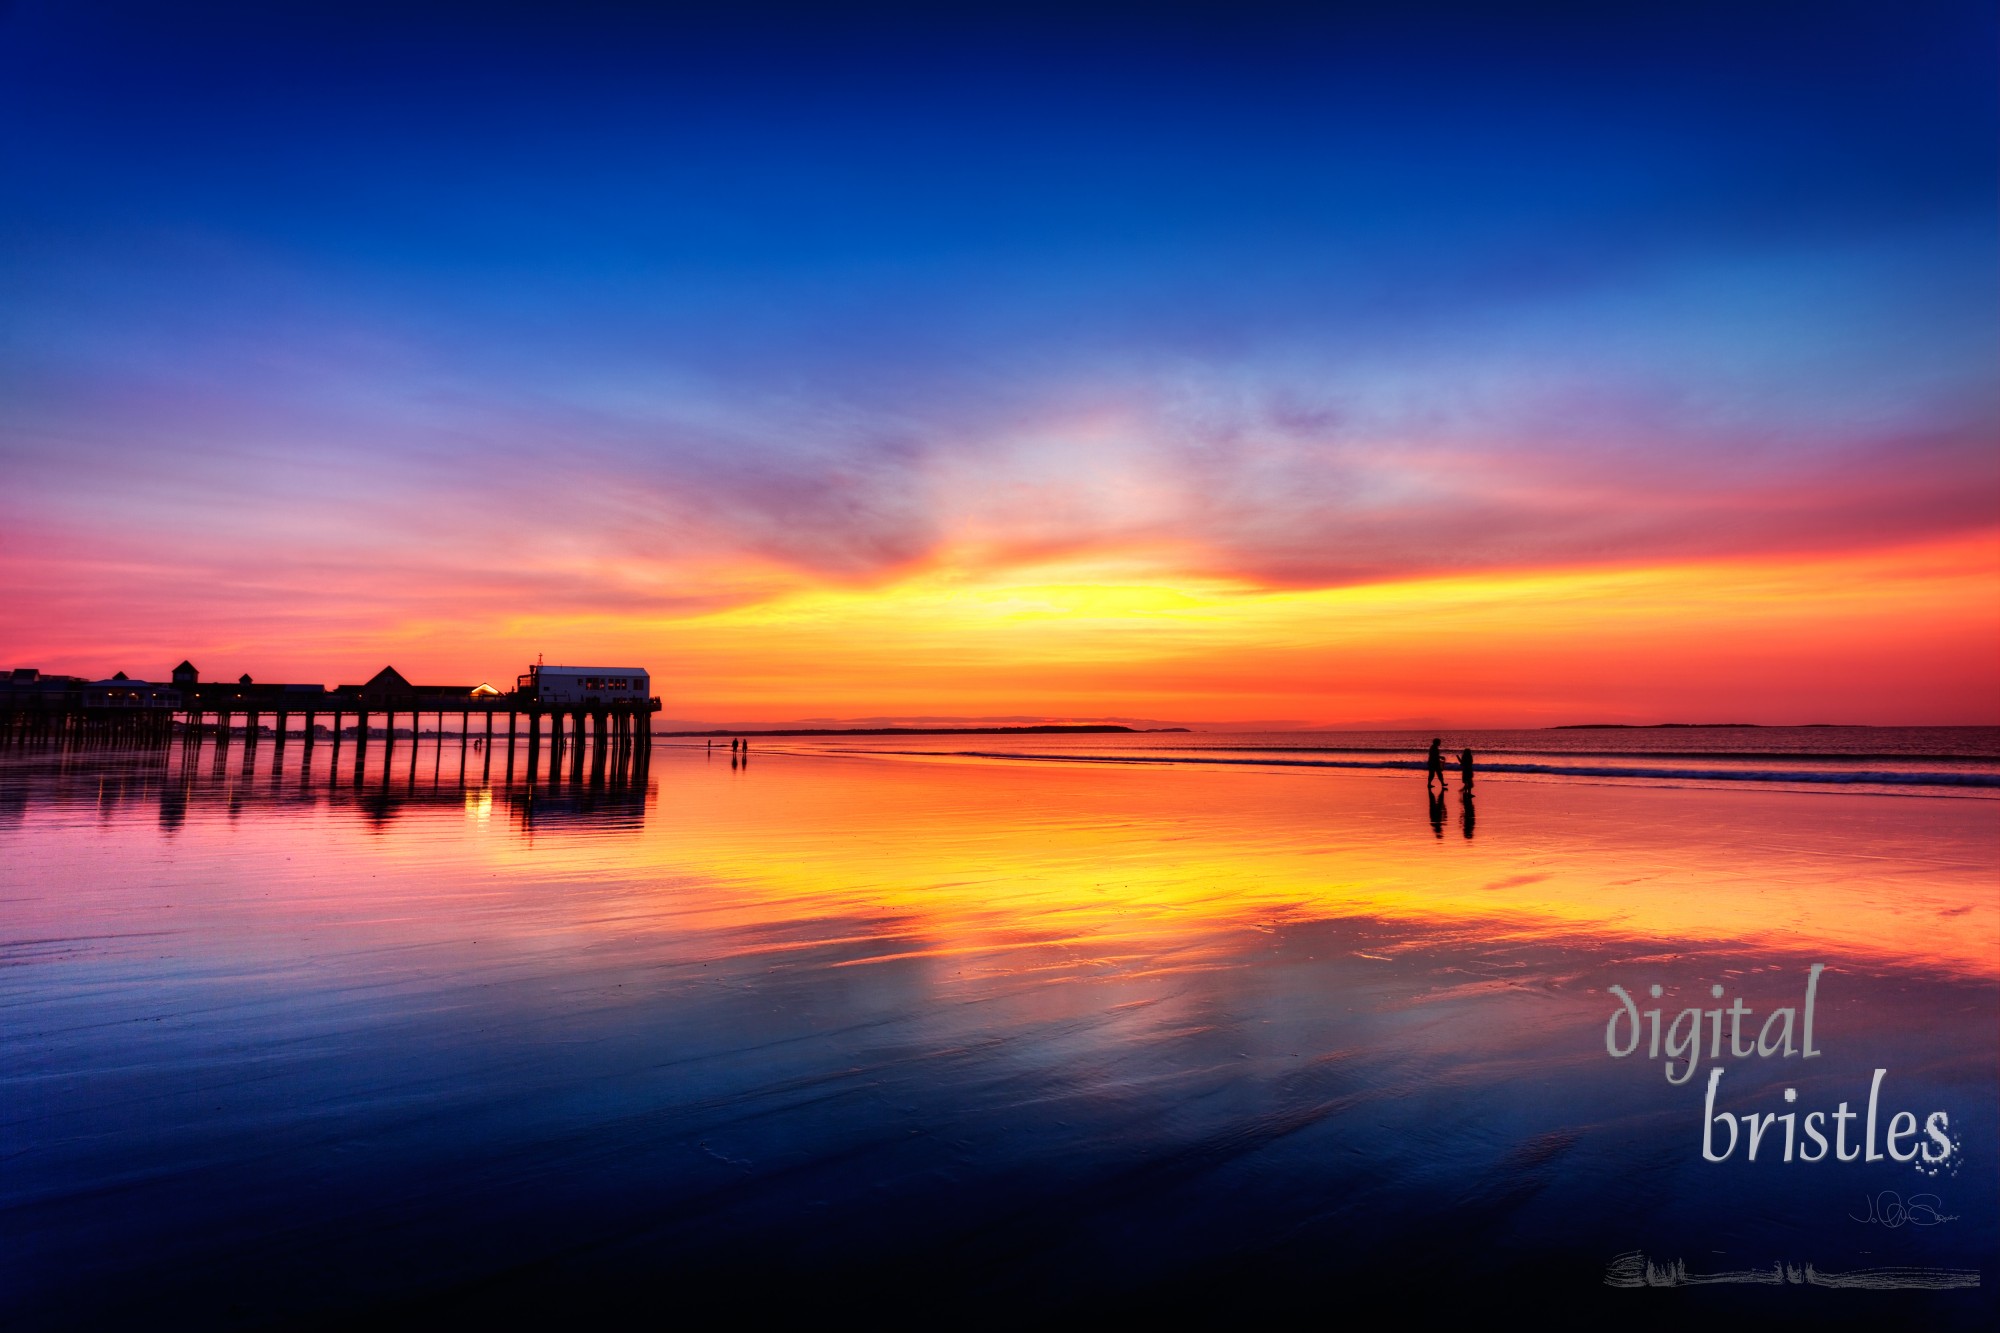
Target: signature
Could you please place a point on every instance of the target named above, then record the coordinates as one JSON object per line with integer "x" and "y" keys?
{"x": 1889, "y": 1209}
{"x": 1634, "y": 1269}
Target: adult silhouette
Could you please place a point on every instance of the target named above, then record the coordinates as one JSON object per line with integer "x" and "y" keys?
{"x": 1436, "y": 769}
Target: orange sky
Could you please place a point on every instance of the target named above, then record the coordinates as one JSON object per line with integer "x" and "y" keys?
{"x": 1909, "y": 634}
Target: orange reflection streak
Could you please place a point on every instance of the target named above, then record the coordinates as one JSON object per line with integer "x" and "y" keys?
{"x": 979, "y": 861}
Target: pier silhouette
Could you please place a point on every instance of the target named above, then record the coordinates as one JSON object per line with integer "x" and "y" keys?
{"x": 608, "y": 727}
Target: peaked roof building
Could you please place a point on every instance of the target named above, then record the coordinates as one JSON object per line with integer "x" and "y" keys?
{"x": 388, "y": 681}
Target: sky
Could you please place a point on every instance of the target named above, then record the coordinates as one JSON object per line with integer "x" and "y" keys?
{"x": 1492, "y": 364}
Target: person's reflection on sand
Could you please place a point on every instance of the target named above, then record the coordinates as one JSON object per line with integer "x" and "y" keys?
{"x": 1466, "y": 814}
{"x": 173, "y": 807}
{"x": 1436, "y": 800}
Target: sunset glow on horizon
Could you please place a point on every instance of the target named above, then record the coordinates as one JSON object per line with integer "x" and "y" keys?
{"x": 1450, "y": 370}
{"x": 1877, "y": 637}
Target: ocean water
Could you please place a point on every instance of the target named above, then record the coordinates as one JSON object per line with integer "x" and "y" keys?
{"x": 995, "y": 1028}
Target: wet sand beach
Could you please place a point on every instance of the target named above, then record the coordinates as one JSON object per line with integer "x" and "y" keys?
{"x": 985, "y": 1035}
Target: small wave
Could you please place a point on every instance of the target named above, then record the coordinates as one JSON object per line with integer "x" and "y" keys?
{"x": 1903, "y": 778}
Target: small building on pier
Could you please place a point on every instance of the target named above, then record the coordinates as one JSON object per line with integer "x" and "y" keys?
{"x": 121, "y": 691}
{"x": 584, "y": 685}
{"x": 29, "y": 687}
{"x": 389, "y": 688}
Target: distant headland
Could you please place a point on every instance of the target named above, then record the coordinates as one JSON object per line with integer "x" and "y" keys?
{"x": 1658, "y": 726}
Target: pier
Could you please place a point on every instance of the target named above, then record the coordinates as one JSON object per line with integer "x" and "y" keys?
{"x": 610, "y": 728}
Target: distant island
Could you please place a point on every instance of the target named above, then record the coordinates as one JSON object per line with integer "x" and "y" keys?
{"x": 1050, "y": 729}
{"x": 1655, "y": 726}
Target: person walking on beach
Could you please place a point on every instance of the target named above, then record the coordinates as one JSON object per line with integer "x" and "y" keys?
{"x": 1436, "y": 773}
{"x": 1465, "y": 769}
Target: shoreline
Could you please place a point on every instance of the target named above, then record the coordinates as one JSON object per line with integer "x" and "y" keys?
{"x": 1972, "y": 786}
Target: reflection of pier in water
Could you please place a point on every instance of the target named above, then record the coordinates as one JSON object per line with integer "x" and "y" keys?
{"x": 601, "y": 785}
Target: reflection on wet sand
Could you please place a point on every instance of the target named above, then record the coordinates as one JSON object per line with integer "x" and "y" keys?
{"x": 610, "y": 792}
{"x": 1037, "y": 1039}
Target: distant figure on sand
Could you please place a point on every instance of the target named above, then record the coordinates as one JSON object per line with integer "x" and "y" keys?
{"x": 1465, "y": 768}
{"x": 1436, "y": 773}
